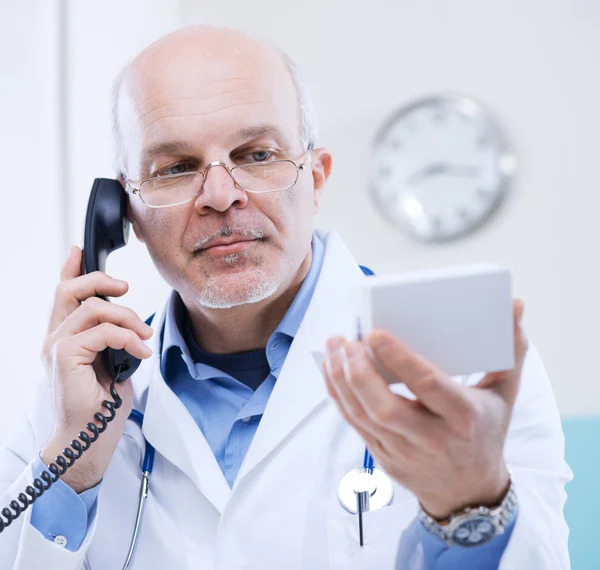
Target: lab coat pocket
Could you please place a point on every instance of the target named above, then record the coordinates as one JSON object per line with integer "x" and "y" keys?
{"x": 382, "y": 530}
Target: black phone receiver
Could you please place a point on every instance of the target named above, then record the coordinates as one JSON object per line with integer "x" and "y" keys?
{"x": 106, "y": 230}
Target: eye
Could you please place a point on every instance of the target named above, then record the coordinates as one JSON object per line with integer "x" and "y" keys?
{"x": 256, "y": 156}
{"x": 174, "y": 169}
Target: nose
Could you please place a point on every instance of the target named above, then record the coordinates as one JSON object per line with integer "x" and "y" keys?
{"x": 219, "y": 191}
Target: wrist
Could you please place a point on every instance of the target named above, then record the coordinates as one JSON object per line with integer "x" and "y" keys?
{"x": 489, "y": 495}
{"x": 84, "y": 474}
{"x": 473, "y": 527}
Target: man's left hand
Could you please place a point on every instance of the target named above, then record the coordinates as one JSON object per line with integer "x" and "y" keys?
{"x": 447, "y": 445}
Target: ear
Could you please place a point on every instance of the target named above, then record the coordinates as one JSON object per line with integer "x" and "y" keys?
{"x": 130, "y": 212}
{"x": 321, "y": 169}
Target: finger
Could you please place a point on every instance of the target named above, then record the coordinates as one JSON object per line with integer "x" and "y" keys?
{"x": 521, "y": 342}
{"x": 506, "y": 383}
{"x": 349, "y": 407}
{"x": 389, "y": 449}
{"x": 334, "y": 373}
{"x": 376, "y": 446}
{"x": 83, "y": 348}
{"x": 383, "y": 408}
{"x": 70, "y": 293}
{"x": 94, "y": 311}
{"x": 364, "y": 398}
{"x": 432, "y": 387}
{"x": 72, "y": 265}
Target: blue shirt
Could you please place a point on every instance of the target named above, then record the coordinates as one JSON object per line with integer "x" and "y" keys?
{"x": 227, "y": 396}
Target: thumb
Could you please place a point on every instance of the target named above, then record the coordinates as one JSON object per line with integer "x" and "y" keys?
{"x": 506, "y": 382}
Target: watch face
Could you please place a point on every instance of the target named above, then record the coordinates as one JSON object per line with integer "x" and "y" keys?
{"x": 474, "y": 531}
{"x": 440, "y": 168}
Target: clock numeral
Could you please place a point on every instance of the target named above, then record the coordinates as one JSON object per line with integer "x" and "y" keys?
{"x": 463, "y": 214}
{"x": 483, "y": 141}
{"x": 384, "y": 171}
{"x": 440, "y": 116}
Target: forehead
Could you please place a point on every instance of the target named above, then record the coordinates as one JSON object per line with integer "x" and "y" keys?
{"x": 206, "y": 93}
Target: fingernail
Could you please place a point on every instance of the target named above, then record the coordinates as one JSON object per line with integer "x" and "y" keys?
{"x": 379, "y": 344}
{"x": 334, "y": 344}
{"x": 120, "y": 281}
{"x": 351, "y": 350}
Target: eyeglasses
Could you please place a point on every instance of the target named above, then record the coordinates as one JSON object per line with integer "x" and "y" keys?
{"x": 257, "y": 178}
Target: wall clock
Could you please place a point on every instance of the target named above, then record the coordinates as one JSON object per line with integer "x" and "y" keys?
{"x": 440, "y": 168}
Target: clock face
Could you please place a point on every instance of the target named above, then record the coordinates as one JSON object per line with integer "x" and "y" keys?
{"x": 440, "y": 168}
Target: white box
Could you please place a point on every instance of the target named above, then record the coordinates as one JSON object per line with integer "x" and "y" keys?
{"x": 458, "y": 318}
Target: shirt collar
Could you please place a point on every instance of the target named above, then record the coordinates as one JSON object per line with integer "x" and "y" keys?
{"x": 278, "y": 343}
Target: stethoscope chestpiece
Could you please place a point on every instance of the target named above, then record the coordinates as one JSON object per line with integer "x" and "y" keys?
{"x": 376, "y": 485}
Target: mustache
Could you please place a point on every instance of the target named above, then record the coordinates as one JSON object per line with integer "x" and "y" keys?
{"x": 226, "y": 232}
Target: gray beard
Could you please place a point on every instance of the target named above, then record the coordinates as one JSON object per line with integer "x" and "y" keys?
{"x": 258, "y": 287}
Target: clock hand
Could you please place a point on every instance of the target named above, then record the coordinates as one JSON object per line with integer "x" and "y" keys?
{"x": 426, "y": 172}
{"x": 462, "y": 169}
{"x": 441, "y": 168}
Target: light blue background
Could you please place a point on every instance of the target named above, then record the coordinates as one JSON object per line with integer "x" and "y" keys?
{"x": 583, "y": 504}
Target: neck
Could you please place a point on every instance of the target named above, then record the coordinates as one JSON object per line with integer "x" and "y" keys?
{"x": 244, "y": 327}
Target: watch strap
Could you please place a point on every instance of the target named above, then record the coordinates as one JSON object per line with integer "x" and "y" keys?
{"x": 499, "y": 516}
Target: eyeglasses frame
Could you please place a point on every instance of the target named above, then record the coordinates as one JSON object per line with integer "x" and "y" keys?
{"x": 299, "y": 167}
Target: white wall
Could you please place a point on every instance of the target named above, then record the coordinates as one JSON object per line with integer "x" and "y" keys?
{"x": 533, "y": 63}
{"x": 30, "y": 193}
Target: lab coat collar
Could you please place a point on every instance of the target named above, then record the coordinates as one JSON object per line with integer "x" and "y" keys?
{"x": 333, "y": 307}
{"x": 169, "y": 427}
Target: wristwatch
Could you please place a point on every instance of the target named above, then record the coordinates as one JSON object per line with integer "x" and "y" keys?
{"x": 473, "y": 526}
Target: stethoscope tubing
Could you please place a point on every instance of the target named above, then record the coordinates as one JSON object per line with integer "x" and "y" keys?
{"x": 368, "y": 462}
{"x": 147, "y": 466}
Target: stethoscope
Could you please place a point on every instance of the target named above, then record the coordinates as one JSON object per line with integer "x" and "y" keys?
{"x": 147, "y": 466}
{"x": 363, "y": 489}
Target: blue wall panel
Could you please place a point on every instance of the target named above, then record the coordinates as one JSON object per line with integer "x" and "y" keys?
{"x": 582, "y": 510}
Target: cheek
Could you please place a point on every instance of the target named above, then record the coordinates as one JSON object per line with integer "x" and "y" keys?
{"x": 293, "y": 210}
{"x": 159, "y": 229}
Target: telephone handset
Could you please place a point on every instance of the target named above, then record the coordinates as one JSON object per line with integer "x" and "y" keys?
{"x": 106, "y": 230}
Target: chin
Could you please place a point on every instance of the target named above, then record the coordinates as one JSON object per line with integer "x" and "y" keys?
{"x": 227, "y": 291}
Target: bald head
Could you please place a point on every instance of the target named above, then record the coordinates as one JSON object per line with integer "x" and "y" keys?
{"x": 204, "y": 71}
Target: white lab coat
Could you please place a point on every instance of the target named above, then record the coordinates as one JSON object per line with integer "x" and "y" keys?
{"x": 283, "y": 511}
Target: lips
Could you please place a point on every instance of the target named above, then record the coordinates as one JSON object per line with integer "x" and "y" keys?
{"x": 228, "y": 239}
{"x": 225, "y": 243}
{"x": 227, "y": 247}
{"x": 221, "y": 243}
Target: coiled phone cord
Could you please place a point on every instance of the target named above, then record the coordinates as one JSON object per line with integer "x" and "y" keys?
{"x": 63, "y": 462}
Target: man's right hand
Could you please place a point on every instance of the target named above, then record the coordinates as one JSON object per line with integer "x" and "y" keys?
{"x": 82, "y": 325}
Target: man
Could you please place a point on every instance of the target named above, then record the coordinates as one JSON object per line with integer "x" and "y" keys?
{"x": 217, "y": 152}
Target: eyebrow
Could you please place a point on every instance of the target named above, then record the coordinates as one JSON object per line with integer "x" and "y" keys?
{"x": 181, "y": 147}
{"x": 258, "y": 131}
{"x": 166, "y": 147}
